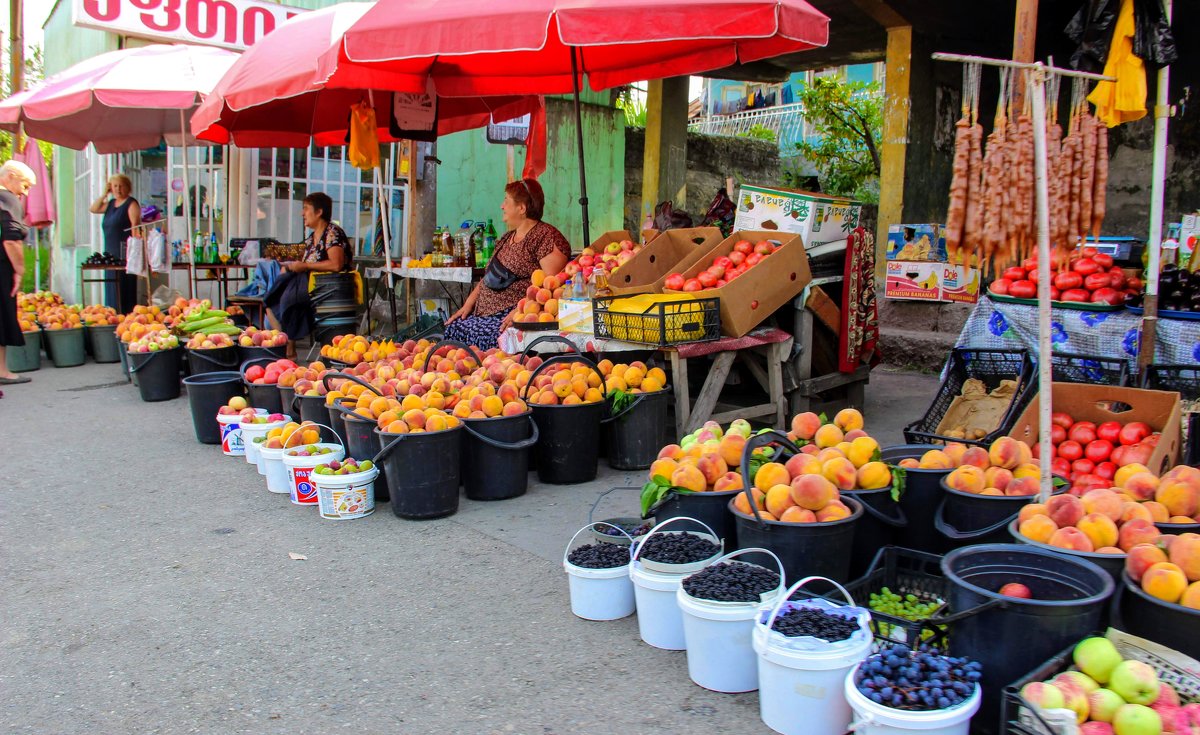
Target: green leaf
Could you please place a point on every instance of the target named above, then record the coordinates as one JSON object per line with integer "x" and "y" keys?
{"x": 877, "y": 455}
{"x": 899, "y": 482}
{"x": 620, "y": 400}
{"x": 652, "y": 492}
{"x": 661, "y": 481}
{"x": 824, "y": 418}
{"x": 1058, "y": 482}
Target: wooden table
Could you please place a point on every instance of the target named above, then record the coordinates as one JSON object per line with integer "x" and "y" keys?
{"x": 221, "y": 276}
{"x": 104, "y": 271}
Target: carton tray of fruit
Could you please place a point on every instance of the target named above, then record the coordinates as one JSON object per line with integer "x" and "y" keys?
{"x": 1146, "y": 688}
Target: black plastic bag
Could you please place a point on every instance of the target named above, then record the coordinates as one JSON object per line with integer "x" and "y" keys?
{"x": 721, "y": 213}
{"x": 1092, "y": 29}
{"x": 666, "y": 217}
{"x": 1153, "y": 41}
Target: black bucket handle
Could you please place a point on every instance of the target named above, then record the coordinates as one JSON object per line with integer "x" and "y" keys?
{"x": 969, "y": 612}
{"x": 515, "y": 446}
{"x": 900, "y": 520}
{"x": 592, "y": 511}
{"x": 200, "y": 354}
{"x": 432, "y": 351}
{"x": 943, "y": 526}
{"x": 396, "y": 439}
{"x": 352, "y": 378}
{"x": 550, "y": 338}
{"x": 134, "y": 368}
{"x": 566, "y": 357}
{"x": 760, "y": 440}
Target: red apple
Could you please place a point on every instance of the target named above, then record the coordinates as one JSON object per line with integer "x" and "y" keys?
{"x": 1016, "y": 589}
{"x": 674, "y": 282}
{"x": 764, "y": 248}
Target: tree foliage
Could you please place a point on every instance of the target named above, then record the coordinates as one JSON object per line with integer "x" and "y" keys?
{"x": 847, "y": 122}
{"x": 34, "y": 72}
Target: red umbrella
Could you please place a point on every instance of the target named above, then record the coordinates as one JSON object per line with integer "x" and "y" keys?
{"x": 469, "y": 47}
{"x": 279, "y": 93}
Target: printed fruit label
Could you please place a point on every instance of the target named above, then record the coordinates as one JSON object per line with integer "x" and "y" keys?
{"x": 302, "y": 490}
{"x": 347, "y": 502}
{"x": 231, "y": 440}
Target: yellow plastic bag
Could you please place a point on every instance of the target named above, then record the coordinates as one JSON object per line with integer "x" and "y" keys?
{"x": 363, "y": 151}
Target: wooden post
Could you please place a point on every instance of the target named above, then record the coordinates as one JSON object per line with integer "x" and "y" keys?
{"x": 895, "y": 134}
{"x": 1024, "y": 43}
{"x": 664, "y": 161}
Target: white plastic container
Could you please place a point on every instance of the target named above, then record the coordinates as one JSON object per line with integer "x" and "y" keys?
{"x": 803, "y": 692}
{"x": 720, "y": 650}
{"x": 342, "y": 497}
{"x": 231, "y": 434}
{"x": 599, "y": 594}
{"x": 276, "y": 473}
{"x": 875, "y": 719}
{"x": 249, "y": 432}
{"x": 660, "y": 621}
{"x": 299, "y": 470}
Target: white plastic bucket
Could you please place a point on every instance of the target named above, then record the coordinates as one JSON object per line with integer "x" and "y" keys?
{"x": 720, "y": 651}
{"x": 875, "y": 719}
{"x": 300, "y": 469}
{"x": 599, "y": 594}
{"x": 660, "y": 621}
{"x": 249, "y": 432}
{"x": 276, "y": 473}
{"x": 341, "y": 497}
{"x": 803, "y": 692}
{"x": 231, "y": 434}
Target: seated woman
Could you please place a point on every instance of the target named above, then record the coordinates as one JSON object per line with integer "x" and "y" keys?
{"x": 529, "y": 244}
{"x": 326, "y": 250}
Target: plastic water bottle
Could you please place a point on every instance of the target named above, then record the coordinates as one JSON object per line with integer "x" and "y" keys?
{"x": 579, "y": 288}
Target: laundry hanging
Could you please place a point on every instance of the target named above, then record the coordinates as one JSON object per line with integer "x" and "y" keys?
{"x": 1123, "y": 100}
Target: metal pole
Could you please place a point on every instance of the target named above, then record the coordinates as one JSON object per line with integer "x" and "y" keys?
{"x": 1162, "y": 113}
{"x": 187, "y": 207}
{"x": 1041, "y": 190}
{"x": 583, "y": 197}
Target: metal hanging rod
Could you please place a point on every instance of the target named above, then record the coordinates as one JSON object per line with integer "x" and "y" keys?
{"x": 1021, "y": 65}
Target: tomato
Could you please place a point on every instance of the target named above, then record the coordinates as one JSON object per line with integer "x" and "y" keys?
{"x": 1023, "y": 289}
{"x": 1091, "y": 482}
{"x": 1014, "y": 273}
{"x": 1033, "y": 276}
{"x": 1060, "y": 418}
{"x": 1070, "y": 450}
{"x": 1055, "y": 294}
{"x": 721, "y": 283}
{"x": 724, "y": 261}
{"x": 693, "y": 284}
{"x": 737, "y": 257}
{"x": 1108, "y": 295}
{"x": 1001, "y": 286}
{"x": 1058, "y": 434}
{"x": 1085, "y": 266}
{"x": 1082, "y": 432}
{"x": 1083, "y": 466}
{"x": 1037, "y": 450}
{"x": 674, "y": 282}
{"x": 1068, "y": 279}
{"x": 1134, "y": 283}
{"x": 717, "y": 270}
{"x": 744, "y": 246}
{"x": 753, "y": 259}
{"x": 764, "y": 248}
{"x": 1098, "y": 450}
{"x": 1107, "y": 470}
{"x": 1117, "y": 279}
{"x": 1109, "y": 431}
{"x": 1088, "y": 251}
{"x": 1152, "y": 440}
{"x": 1099, "y": 279}
{"x": 1060, "y": 467}
{"x": 1137, "y": 454}
{"x": 1076, "y": 294}
{"x": 1029, "y": 264}
{"x": 1104, "y": 260}
{"x": 708, "y": 279}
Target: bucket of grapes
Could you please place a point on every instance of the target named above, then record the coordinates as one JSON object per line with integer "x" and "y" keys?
{"x": 598, "y": 574}
{"x": 903, "y": 691}
{"x": 345, "y": 488}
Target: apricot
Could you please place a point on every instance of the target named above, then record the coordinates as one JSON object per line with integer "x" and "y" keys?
{"x": 1037, "y": 528}
{"x": 862, "y": 450}
{"x": 770, "y": 475}
{"x": 1185, "y": 553}
{"x": 740, "y": 503}
{"x": 663, "y": 468}
{"x": 1165, "y": 581}
{"x": 909, "y": 463}
{"x": 977, "y": 456}
{"x": 805, "y": 425}
{"x": 1191, "y": 596}
{"x": 1103, "y": 501}
{"x": 728, "y": 481}
{"x": 935, "y": 459}
{"x": 967, "y": 478}
{"x": 841, "y": 472}
{"x": 779, "y": 499}
{"x": 1071, "y": 538}
{"x": 828, "y": 435}
{"x": 1141, "y": 557}
{"x": 874, "y": 475}
{"x": 1137, "y": 532}
{"x": 1099, "y": 528}
{"x": 813, "y": 492}
{"x": 848, "y": 419}
{"x": 1006, "y": 452}
{"x": 796, "y": 514}
{"x": 833, "y": 512}
{"x": 1032, "y": 509}
{"x": 731, "y": 448}
{"x": 689, "y": 477}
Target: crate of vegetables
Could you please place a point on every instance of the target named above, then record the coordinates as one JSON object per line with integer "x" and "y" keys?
{"x": 1088, "y": 281}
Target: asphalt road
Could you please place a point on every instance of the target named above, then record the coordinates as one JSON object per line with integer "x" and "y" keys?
{"x": 147, "y": 588}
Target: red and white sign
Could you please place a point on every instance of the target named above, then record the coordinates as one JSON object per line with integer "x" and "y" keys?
{"x": 233, "y": 24}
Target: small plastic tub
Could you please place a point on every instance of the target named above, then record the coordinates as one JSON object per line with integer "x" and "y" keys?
{"x": 299, "y": 470}
{"x": 342, "y": 497}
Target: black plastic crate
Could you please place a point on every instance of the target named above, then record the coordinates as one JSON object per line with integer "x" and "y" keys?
{"x": 662, "y": 325}
{"x": 1014, "y": 721}
{"x": 989, "y": 366}
{"x": 1092, "y": 369}
{"x": 1185, "y": 379}
{"x": 904, "y": 572}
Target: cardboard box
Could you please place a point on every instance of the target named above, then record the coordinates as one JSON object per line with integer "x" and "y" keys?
{"x": 575, "y": 316}
{"x": 672, "y": 251}
{"x": 917, "y": 242}
{"x": 818, "y": 218}
{"x": 1159, "y": 409}
{"x": 960, "y": 283}
{"x": 914, "y": 280}
{"x": 760, "y": 291}
{"x": 612, "y": 236}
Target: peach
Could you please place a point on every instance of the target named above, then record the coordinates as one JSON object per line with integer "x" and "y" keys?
{"x": 874, "y": 475}
{"x": 1191, "y": 596}
{"x": 728, "y": 481}
{"x": 415, "y": 418}
{"x": 813, "y": 492}
{"x": 844, "y": 449}
{"x": 712, "y": 466}
{"x": 1028, "y": 470}
{"x": 492, "y": 406}
{"x": 955, "y": 451}
{"x": 1137, "y": 532}
{"x": 997, "y": 477}
{"x": 1158, "y": 511}
{"x": 841, "y": 472}
{"x": 779, "y": 499}
{"x": 1103, "y": 501}
{"x": 977, "y": 456}
{"x": 516, "y": 408}
{"x": 855, "y": 434}
{"x": 848, "y": 419}
{"x": 1132, "y": 510}
{"x": 1037, "y": 528}
{"x": 796, "y": 514}
{"x": 1141, "y": 557}
{"x": 770, "y": 475}
{"x": 1141, "y": 485}
{"x": 1183, "y": 472}
{"x": 1109, "y": 550}
{"x": 731, "y": 449}
{"x": 671, "y": 451}
{"x": 935, "y": 459}
{"x": 1165, "y": 581}
{"x": 1071, "y": 538}
{"x": 833, "y": 512}
{"x": 1065, "y": 509}
{"x": 805, "y": 425}
{"x": 1099, "y": 528}
{"x": 812, "y": 449}
{"x": 1123, "y": 474}
{"x": 663, "y": 468}
{"x": 1005, "y": 452}
{"x": 689, "y": 477}
{"x": 991, "y": 491}
{"x": 1185, "y": 553}
{"x": 803, "y": 464}
{"x": 1023, "y": 486}
{"x": 862, "y": 450}
{"x": 1033, "y": 509}
{"x": 1181, "y": 519}
{"x": 909, "y": 463}
{"x": 968, "y": 478}
{"x": 828, "y": 453}
{"x": 740, "y": 503}
{"x": 828, "y": 435}
{"x": 1179, "y": 496}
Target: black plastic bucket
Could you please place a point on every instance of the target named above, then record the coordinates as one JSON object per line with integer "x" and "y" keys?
{"x": 27, "y": 358}
{"x": 806, "y": 549}
{"x": 362, "y": 443}
{"x": 266, "y": 395}
{"x": 882, "y": 520}
{"x": 710, "y": 508}
{"x": 253, "y": 353}
{"x": 104, "y": 343}
{"x": 634, "y": 435}
{"x": 1012, "y": 636}
{"x": 123, "y": 351}
{"x": 1157, "y": 620}
{"x": 207, "y": 392}
{"x": 65, "y": 346}
{"x": 337, "y": 422}
{"x": 158, "y": 374}
{"x": 970, "y": 518}
{"x": 568, "y": 447}
{"x": 495, "y": 459}
{"x": 422, "y": 471}
{"x": 920, "y": 492}
{"x": 1114, "y": 564}
{"x": 214, "y": 360}
{"x": 287, "y": 396}
{"x": 312, "y": 408}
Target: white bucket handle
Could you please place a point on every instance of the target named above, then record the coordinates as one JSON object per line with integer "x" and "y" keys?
{"x": 571, "y": 543}
{"x": 791, "y": 590}
{"x": 323, "y": 426}
{"x": 866, "y": 720}
{"x": 758, "y": 549}
{"x": 654, "y": 530}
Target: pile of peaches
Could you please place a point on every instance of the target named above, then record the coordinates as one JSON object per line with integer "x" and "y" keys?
{"x": 1168, "y": 569}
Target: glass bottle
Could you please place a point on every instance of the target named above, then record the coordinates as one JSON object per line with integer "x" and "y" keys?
{"x": 479, "y": 256}
{"x": 489, "y": 241}
{"x": 447, "y": 246}
{"x": 600, "y": 287}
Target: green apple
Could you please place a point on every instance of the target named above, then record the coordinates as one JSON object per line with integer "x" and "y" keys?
{"x": 1104, "y": 704}
{"x": 1135, "y": 682}
{"x": 1087, "y": 683}
{"x": 1096, "y": 657}
{"x": 740, "y": 426}
{"x": 1136, "y": 719}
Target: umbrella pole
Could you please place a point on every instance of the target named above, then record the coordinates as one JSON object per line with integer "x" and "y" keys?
{"x": 187, "y": 208}
{"x": 387, "y": 244}
{"x": 583, "y": 197}
{"x": 1162, "y": 112}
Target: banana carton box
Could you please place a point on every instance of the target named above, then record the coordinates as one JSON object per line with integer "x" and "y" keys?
{"x": 920, "y": 280}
